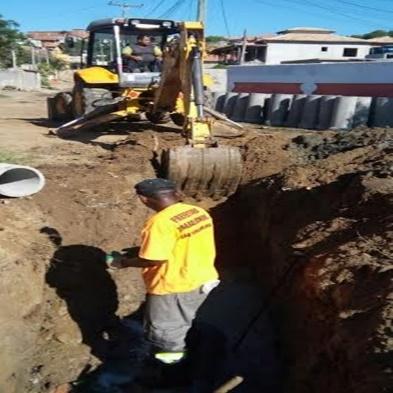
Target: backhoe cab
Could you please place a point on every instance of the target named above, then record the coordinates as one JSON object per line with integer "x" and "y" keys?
{"x": 153, "y": 68}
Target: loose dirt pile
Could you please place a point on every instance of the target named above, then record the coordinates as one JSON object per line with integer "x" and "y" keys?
{"x": 320, "y": 235}
{"x": 312, "y": 217}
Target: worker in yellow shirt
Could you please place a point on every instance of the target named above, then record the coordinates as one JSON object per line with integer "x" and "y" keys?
{"x": 142, "y": 56}
{"x": 177, "y": 255}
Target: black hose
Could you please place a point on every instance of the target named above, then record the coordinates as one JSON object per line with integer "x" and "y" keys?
{"x": 197, "y": 81}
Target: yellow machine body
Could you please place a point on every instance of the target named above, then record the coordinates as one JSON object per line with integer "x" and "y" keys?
{"x": 201, "y": 168}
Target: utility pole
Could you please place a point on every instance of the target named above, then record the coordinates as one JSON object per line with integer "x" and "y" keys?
{"x": 13, "y": 55}
{"x": 124, "y": 7}
{"x": 201, "y": 16}
{"x": 47, "y": 56}
{"x": 33, "y": 62}
{"x": 244, "y": 49}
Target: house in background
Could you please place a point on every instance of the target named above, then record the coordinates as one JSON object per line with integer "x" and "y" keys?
{"x": 385, "y": 40}
{"x": 52, "y": 39}
{"x": 51, "y": 44}
{"x": 46, "y": 39}
{"x": 230, "y": 52}
{"x": 300, "y": 44}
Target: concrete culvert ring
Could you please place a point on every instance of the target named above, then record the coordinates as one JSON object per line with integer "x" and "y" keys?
{"x": 20, "y": 181}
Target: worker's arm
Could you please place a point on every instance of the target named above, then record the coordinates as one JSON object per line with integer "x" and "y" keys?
{"x": 158, "y": 241}
{"x": 127, "y": 53}
{"x": 124, "y": 262}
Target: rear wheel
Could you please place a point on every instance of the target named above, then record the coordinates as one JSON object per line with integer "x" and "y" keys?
{"x": 84, "y": 98}
{"x": 178, "y": 118}
{"x": 158, "y": 117}
{"x": 59, "y": 107}
{"x": 213, "y": 172}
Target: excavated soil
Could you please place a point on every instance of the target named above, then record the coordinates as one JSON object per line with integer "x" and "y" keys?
{"x": 312, "y": 222}
{"x": 319, "y": 235}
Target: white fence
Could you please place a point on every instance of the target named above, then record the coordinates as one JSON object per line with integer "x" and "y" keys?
{"x": 20, "y": 79}
{"x": 367, "y": 79}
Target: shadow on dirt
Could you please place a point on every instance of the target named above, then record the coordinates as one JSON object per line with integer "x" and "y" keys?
{"x": 79, "y": 275}
{"x": 91, "y": 135}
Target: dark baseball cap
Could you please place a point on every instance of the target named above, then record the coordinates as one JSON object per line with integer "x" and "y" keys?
{"x": 152, "y": 187}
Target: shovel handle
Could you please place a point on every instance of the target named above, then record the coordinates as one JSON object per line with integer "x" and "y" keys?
{"x": 231, "y": 384}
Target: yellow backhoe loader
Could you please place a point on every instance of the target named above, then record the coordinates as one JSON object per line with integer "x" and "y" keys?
{"x": 171, "y": 86}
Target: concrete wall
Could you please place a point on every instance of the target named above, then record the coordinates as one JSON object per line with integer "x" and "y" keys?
{"x": 19, "y": 79}
{"x": 368, "y": 79}
{"x": 220, "y": 78}
{"x": 286, "y": 51}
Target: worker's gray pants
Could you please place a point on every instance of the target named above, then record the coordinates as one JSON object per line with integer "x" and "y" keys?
{"x": 168, "y": 318}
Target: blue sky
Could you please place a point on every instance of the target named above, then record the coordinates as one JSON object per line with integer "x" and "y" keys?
{"x": 258, "y": 16}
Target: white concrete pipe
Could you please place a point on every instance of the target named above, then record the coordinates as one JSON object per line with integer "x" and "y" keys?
{"x": 296, "y": 110}
{"x": 343, "y": 113}
{"x": 325, "y": 112}
{"x": 218, "y": 100}
{"x": 382, "y": 113}
{"x": 278, "y": 109}
{"x": 310, "y": 112}
{"x": 229, "y": 103}
{"x": 19, "y": 181}
{"x": 239, "y": 109}
{"x": 362, "y": 111}
{"x": 255, "y": 105}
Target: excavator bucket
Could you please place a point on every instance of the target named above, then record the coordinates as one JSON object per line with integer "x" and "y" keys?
{"x": 213, "y": 172}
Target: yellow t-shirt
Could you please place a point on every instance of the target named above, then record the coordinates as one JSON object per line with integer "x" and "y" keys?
{"x": 183, "y": 236}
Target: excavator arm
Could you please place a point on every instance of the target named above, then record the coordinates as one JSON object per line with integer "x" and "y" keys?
{"x": 201, "y": 168}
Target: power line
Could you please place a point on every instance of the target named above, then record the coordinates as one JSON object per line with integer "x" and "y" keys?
{"x": 366, "y": 7}
{"x": 124, "y": 7}
{"x": 160, "y": 3}
{"x": 350, "y": 16}
{"x": 332, "y": 11}
{"x": 224, "y": 16}
{"x": 177, "y": 4}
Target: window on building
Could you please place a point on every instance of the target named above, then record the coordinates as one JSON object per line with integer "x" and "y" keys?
{"x": 350, "y": 52}
{"x": 324, "y": 49}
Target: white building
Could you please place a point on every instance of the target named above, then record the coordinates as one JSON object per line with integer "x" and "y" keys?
{"x": 305, "y": 43}
{"x": 301, "y": 44}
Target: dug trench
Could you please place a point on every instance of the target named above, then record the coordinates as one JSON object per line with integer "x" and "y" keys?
{"x": 304, "y": 248}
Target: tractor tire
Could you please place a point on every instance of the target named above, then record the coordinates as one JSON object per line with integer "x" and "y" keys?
{"x": 83, "y": 98}
{"x": 158, "y": 117}
{"x": 59, "y": 107}
{"x": 178, "y": 118}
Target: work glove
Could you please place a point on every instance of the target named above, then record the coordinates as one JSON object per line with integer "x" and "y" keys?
{"x": 113, "y": 260}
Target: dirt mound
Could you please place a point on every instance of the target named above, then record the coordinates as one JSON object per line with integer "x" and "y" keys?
{"x": 321, "y": 146}
{"x": 320, "y": 237}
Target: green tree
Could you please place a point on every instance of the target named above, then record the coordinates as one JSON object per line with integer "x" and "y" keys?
{"x": 374, "y": 34}
{"x": 10, "y": 39}
{"x": 212, "y": 39}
